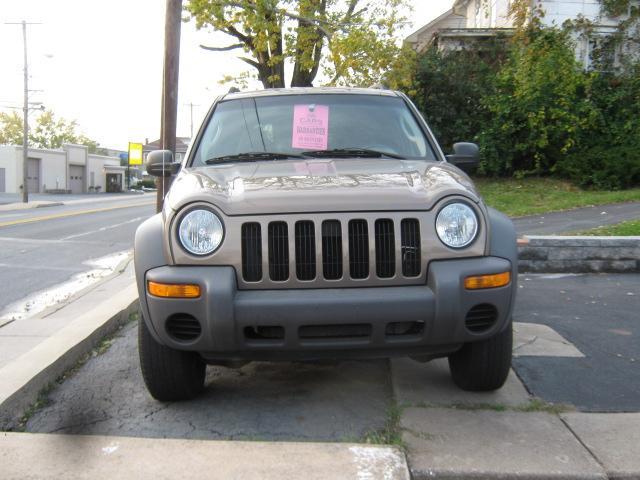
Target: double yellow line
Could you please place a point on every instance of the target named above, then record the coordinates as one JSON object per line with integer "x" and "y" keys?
{"x": 70, "y": 214}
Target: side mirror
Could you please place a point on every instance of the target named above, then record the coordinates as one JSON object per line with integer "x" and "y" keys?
{"x": 160, "y": 163}
{"x": 466, "y": 156}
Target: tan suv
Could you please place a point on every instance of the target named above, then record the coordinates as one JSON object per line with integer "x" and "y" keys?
{"x": 318, "y": 223}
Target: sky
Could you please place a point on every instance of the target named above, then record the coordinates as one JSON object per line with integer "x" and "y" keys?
{"x": 100, "y": 63}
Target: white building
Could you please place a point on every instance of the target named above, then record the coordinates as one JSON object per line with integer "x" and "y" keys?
{"x": 471, "y": 21}
{"x": 71, "y": 169}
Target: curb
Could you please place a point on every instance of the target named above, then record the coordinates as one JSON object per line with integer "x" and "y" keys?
{"x": 578, "y": 254}
{"x": 22, "y": 380}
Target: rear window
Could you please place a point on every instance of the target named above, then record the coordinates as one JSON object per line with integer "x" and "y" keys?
{"x": 293, "y": 124}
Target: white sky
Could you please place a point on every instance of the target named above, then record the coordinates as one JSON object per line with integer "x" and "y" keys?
{"x": 100, "y": 63}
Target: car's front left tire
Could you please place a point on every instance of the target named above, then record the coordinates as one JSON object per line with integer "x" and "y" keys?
{"x": 484, "y": 365}
{"x": 169, "y": 374}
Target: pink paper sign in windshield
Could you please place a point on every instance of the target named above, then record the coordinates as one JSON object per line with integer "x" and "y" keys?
{"x": 310, "y": 127}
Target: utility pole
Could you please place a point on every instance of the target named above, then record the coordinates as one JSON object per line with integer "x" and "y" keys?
{"x": 191, "y": 105}
{"x": 25, "y": 113}
{"x": 171, "y": 70}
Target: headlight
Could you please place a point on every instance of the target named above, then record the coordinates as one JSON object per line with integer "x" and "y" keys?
{"x": 200, "y": 232}
{"x": 457, "y": 225}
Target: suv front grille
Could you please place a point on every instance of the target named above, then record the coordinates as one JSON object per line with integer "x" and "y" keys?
{"x": 322, "y": 256}
{"x": 278, "y": 251}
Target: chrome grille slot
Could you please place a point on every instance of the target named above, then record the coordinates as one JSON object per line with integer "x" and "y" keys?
{"x": 385, "y": 248}
{"x": 331, "y": 249}
{"x": 358, "y": 249}
{"x": 305, "y": 250}
{"x": 251, "y": 240}
{"x": 410, "y": 242}
{"x": 278, "y": 251}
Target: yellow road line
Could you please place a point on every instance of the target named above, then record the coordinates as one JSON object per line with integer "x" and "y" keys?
{"x": 70, "y": 214}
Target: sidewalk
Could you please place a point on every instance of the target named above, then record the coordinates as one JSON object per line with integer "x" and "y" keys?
{"x": 35, "y": 351}
{"x": 578, "y": 219}
{"x": 449, "y": 433}
{"x": 50, "y": 456}
{"x": 46, "y": 200}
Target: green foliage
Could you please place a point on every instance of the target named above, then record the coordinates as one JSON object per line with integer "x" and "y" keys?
{"x": 354, "y": 42}
{"x": 449, "y": 88}
{"x": 537, "y": 113}
{"x": 47, "y": 132}
{"x": 538, "y": 107}
{"x": 10, "y": 129}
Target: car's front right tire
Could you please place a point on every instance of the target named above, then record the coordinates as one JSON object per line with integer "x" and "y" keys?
{"x": 484, "y": 365}
{"x": 169, "y": 374}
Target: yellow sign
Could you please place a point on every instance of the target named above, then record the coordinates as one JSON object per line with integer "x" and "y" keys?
{"x": 135, "y": 153}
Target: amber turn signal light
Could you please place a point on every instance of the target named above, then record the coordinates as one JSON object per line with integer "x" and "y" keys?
{"x": 169, "y": 290}
{"x": 487, "y": 281}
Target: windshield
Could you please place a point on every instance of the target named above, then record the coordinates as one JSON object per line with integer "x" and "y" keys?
{"x": 310, "y": 125}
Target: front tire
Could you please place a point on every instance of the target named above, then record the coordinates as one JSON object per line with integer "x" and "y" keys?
{"x": 483, "y": 366}
{"x": 169, "y": 374}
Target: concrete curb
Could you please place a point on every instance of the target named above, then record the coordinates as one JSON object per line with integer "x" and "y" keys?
{"x": 53, "y": 456}
{"x": 577, "y": 254}
{"x": 22, "y": 380}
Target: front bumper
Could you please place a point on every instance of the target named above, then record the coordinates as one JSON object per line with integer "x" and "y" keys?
{"x": 327, "y": 323}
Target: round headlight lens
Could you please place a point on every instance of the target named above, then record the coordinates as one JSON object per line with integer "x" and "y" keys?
{"x": 200, "y": 232}
{"x": 457, "y": 225}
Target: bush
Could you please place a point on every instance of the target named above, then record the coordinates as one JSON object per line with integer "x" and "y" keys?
{"x": 449, "y": 88}
{"x": 534, "y": 111}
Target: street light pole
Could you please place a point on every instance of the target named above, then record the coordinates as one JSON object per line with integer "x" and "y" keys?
{"x": 25, "y": 113}
{"x": 25, "y": 126}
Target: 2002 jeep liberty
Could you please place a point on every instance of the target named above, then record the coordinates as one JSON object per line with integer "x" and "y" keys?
{"x": 318, "y": 223}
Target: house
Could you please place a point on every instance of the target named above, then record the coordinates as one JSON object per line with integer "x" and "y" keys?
{"x": 70, "y": 169}
{"x": 469, "y": 22}
{"x": 182, "y": 144}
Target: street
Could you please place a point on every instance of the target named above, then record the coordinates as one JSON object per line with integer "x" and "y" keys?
{"x": 44, "y": 247}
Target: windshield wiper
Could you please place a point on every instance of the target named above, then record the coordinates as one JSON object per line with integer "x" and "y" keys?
{"x": 352, "y": 152}
{"x": 251, "y": 157}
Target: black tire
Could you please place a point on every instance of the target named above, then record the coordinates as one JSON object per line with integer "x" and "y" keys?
{"x": 483, "y": 366}
{"x": 169, "y": 374}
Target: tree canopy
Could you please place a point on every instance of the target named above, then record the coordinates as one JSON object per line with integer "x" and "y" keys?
{"x": 47, "y": 131}
{"x": 352, "y": 42}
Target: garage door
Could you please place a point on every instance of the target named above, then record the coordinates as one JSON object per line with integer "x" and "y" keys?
{"x": 33, "y": 175}
{"x": 76, "y": 178}
{"x": 3, "y": 188}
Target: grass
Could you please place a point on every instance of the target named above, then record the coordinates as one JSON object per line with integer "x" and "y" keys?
{"x": 390, "y": 434}
{"x": 624, "y": 229}
{"x": 541, "y": 195}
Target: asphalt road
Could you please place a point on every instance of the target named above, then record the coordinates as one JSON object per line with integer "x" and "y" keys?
{"x": 348, "y": 400}
{"x": 599, "y": 315}
{"x": 43, "y": 247}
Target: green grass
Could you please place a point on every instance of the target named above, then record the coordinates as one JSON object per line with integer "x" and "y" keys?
{"x": 624, "y": 229}
{"x": 541, "y": 195}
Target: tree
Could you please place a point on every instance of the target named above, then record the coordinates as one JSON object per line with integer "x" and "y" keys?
{"x": 353, "y": 42}
{"x": 10, "y": 129}
{"x": 48, "y": 131}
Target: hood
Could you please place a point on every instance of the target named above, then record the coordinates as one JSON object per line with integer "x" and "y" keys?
{"x": 339, "y": 185}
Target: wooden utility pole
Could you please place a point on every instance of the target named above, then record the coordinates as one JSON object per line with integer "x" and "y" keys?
{"x": 171, "y": 70}
{"x": 25, "y": 114}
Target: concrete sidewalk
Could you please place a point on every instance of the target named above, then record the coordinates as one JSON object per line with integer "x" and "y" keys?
{"x": 36, "y": 351}
{"x": 450, "y": 434}
{"x": 52, "y": 200}
{"x": 578, "y": 219}
{"x": 49, "y": 456}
